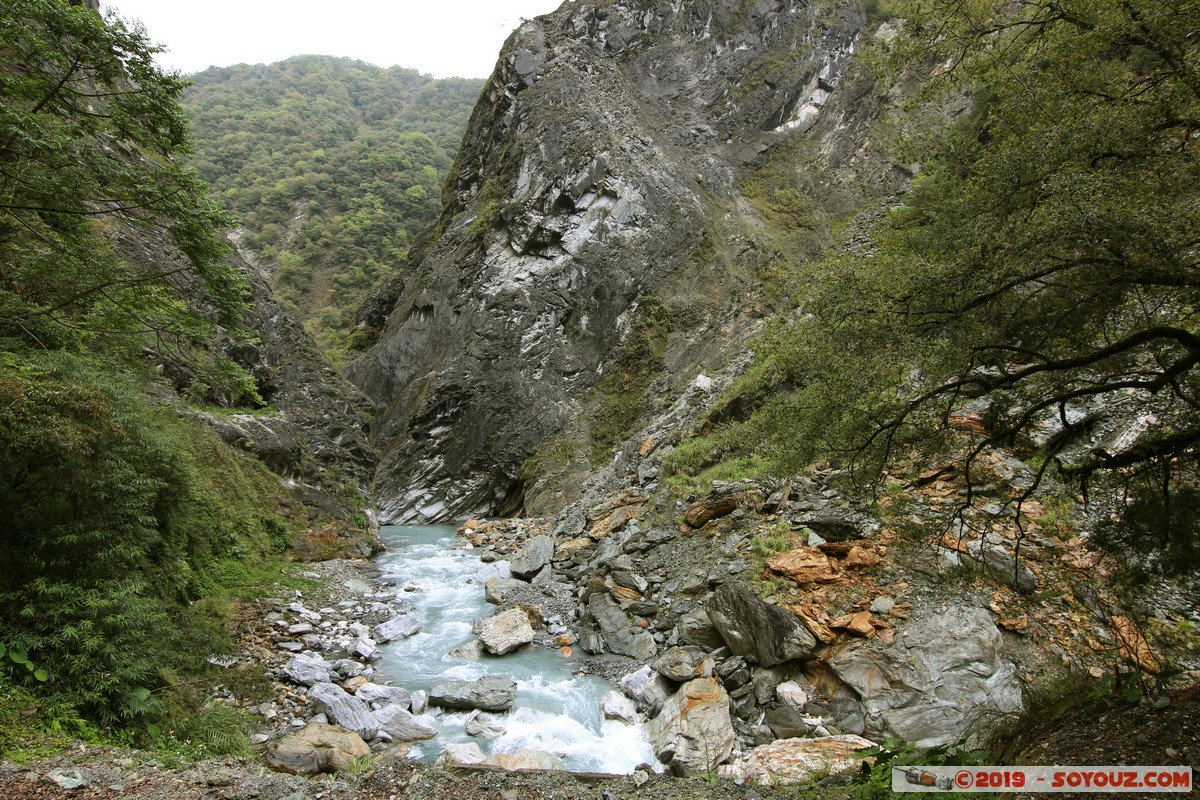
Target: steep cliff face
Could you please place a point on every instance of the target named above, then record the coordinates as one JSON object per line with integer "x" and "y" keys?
{"x": 314, "y": 430}
{"x": 597, "y": 249}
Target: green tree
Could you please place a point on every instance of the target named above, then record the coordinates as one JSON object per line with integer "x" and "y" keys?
{"x": 91, "y": 131}
{"x": 1044, "y": 260}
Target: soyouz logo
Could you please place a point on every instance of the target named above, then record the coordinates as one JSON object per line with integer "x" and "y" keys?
{"x": 1041, "y": 779}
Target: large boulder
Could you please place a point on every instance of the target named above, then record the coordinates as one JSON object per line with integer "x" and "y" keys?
{"x": 399, "y": 627}
{"x": 684, "y": 663}
{"x": 504, "y": 632}
{"x": 316, "y": 748}
{"x": 943, "y": 675}
{"x": 344, "y": 709}
{"x": 647, "y": 689}
{"x": 533, "y": 555}
{"x": 620, "y": 635}
{"x": 693, "y": 733}
{"x": 490, "y": 693}
{"x": 460, "y": 753}
{"x": 397, "y": 722}
{"x": 383, "y": 695}
{"x": 756, "y": 630}
{"x": 797, "y": 760}
{"x": 307, "y": 669}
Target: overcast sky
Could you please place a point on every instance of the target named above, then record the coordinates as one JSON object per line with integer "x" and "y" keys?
{"x": 442, "y": 38}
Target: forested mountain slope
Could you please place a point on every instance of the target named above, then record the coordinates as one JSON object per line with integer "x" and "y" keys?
{"x": 332, "y": 167}
{"x": 140, "y": 369}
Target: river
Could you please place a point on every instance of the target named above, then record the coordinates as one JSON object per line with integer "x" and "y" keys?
{"x": 557, "y": 709}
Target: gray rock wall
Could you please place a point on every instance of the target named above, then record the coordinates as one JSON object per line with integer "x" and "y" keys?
{"x": 594, "y": 183}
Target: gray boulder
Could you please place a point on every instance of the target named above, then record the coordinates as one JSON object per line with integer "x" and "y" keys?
{"x": 694, "y": 732}
{"x": 396, "y": 721}
{"x": 684, "y": 663}
{"x": 495, "y": 589}
{"x": 943, "y": 676}
{"x": 398, "y": 627}
{"x": 647, "y": 689}
{"x": 619, "y": 634}
{"x": 696, "y": 628}
{"x": 490, "y": 693}
{"x": 343, "y": 709}
{"x": 533, "y": 555}
{"x": 383, "y": 695}
{"x": 460, "y": 753}
{"x": 504, "y": 632}
{"x": 615, "y": 705}
{"x": 758, "y": 631}
{"x": 307, "y": 669}
{"x": 997, "y": 558}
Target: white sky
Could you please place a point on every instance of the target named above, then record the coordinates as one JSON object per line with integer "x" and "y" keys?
{"x": 443, "y": 38}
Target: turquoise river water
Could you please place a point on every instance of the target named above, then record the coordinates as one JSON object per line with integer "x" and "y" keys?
{"x": 557, "y": 709}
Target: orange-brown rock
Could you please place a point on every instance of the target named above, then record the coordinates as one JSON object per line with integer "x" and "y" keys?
{"x": 860, "y": 558}
{"x": 1134, "y": 647}
{"x": 625, "y": 594}
{"x": 1014, "y": 624}
{"x": 967, "y": 422}
{"x": 710, "y": 508}
{"x": 805, "y": 565}
{"x": 647, "y": 446}
{"x": 859, "y": 623}
{"x": 614, "y": 521}
{"x": 351, "y": 684}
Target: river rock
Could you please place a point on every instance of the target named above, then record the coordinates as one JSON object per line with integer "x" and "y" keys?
{"x": 383, "y": 695}
{"x": 946, "y": 670}
{"x": 343, "y": 709}
{"x": 398, "y": 723}
{"x": 647, "y": 689}
{"x": 468, "y": 651}
{"x": 477, "y": 724}
{"x": 693, "y": 733}
{"x": 504, "y": 632}
{"x": 497, "y": 569}
{"x": 619, "y": 634}
{"x": 364, "y": 647}
{"x": 317, "y": 748}
{"x": 615, "y": 705}
{"x": 684, "y": 663}
{"x": 525, "y": 759}
{"x": 759, "y": 631}
{"x": 490, "y": 693}
{"x": 460, "y": 753}
{"x": 533, "y": 555}
{"x": 696, "y": 628}
{"x": 494, "y": 589}
{"x": 398, "y": 627}
{"x": 790, "y": 761}
{"x": 307, "y": 669}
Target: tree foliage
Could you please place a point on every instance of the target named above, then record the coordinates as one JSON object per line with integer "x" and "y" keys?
{"x": 333, "y": 166}
{"x": 91, "y": 131}
{"x": 114, "y": 513}
{"x": 1042, "y": 266}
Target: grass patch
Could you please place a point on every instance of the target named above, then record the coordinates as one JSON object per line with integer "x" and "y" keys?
{"x": 620, "y": 392}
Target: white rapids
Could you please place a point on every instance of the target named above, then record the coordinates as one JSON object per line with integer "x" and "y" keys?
{"x": 557, "y": 709}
